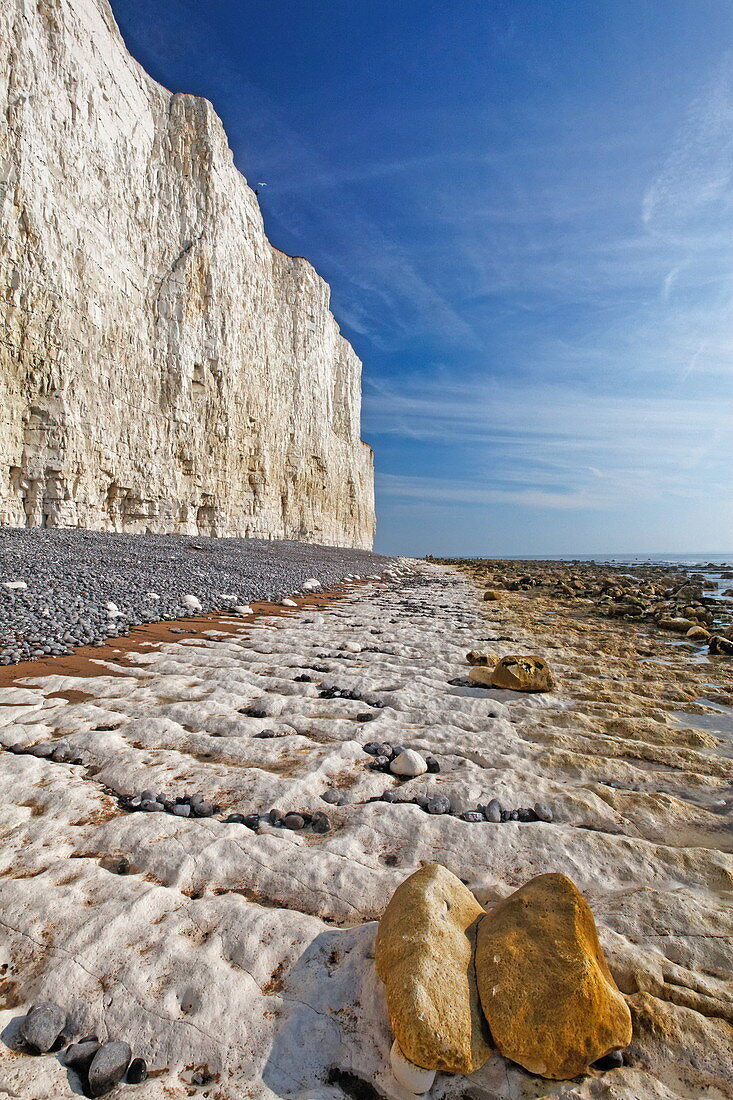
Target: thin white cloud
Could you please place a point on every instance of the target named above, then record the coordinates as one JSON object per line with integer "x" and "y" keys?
{"x": 699, "y": 168}
{"x": 540, "y": 445}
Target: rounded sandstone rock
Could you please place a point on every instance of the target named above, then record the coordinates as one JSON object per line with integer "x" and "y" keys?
{"x": 482, "y": 675}
{"x": 424, "y": 956}
{"x": 523, "y": 673}
{"x": 479, "y": 657}
{"x": 545, "y": 987}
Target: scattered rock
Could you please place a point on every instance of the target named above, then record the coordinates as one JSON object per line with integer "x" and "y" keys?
{"x": 108, "y": 1067}
{"x": 294, "y": 821}
{"x": 424, "y": 956}
{"x": 493, "y": 811}
{"x": 542, "y": 811}
{"x": 438, "y": 804}
{"x": 482, "y": 675}
{"x": 336, "y": 798}
{"x": 42, "y": 1025}
{"x": 79, "y": 1055}
{"x": 493, "y": 594}
{"x": 137, "y": 1071}
{"x": 320, "y": 823}
{"x": 432, "y": 764}
{"x": 480, "y": 658}
{"x": 522, "y": 674}
{"x": 409, "y": 763}
{"x": 545, "y": 988}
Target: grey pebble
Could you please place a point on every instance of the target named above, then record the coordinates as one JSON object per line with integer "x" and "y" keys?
{"x": 492, "y": 812}
{"x": 543, "y": 811}
{"x": 150, "y": 807}
{"x": 320, "y": 823}
{"x": 202, "y": 809}
{"x": 438, "y": 804}
{"x": 432, "y": 763}
{"x": 137, "y": 1071}
{"x": 42, "y": 1025}
{"x": 79, "y": 1055}
{"x": 334, "y": 797}
{"x": 108, "y": 1067}
{"x": 43, "y": 751}
{"x": 472, "y": 815}
{"x": 293, "y": 821}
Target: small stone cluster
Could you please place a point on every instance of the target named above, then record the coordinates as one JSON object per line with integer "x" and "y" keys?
{"x": 405, "y": 763}
{"x": 99, "y": 1066}
{"x": 529, "y": 977}
{"x": 196, "y": 806}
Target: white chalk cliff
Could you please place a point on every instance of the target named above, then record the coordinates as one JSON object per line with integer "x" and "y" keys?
{"x": 162, "y": 366}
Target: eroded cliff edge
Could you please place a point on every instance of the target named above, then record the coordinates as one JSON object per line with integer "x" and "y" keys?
{"x": 163, "y": 367}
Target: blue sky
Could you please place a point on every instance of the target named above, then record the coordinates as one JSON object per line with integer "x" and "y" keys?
{"x": 525, "y": 211}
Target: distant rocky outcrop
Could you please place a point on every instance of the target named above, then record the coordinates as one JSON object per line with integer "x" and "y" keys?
{"x": 163, "y": 368}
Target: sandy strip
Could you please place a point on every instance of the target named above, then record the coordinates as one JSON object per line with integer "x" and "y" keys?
{"x": 90, "y": 661}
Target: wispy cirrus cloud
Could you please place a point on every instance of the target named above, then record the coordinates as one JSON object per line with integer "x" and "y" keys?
{"x": 697, "y": 174}
{"x": 554, "y": 446}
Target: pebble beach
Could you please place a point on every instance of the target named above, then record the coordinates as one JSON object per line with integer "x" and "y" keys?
{"x": 201, "y": 830}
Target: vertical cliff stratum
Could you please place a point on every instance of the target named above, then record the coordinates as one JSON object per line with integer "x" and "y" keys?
{"x": 162, "y": 367}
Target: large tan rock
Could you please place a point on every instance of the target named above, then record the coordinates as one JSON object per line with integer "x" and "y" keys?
{"x": 524, "y": 673}
{"x": 545, "y": 987}
{"x": 481, "y": 675}
{"x": 424, "y": 955}
{"x": 493, "y": 594}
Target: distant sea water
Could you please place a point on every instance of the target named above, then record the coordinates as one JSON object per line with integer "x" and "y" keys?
{"x": 629, "y": 559}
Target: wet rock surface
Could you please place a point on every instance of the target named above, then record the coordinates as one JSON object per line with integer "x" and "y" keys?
{"x": 151, "y": 926}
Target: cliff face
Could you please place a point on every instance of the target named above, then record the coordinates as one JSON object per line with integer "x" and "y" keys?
{"x": 162, "y": 367}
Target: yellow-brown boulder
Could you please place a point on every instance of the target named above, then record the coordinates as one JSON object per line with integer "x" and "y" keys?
{"x": 545, "y": 987}
{"x": 424, "y": 956}
{"x": 481, "y": 675}
{"x": 477, "y": 657}
{"x": 523, "y": 673}
{"x": 493, "y": 594}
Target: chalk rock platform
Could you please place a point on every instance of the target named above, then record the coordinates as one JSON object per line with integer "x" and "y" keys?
{"x": 241, "y": 963}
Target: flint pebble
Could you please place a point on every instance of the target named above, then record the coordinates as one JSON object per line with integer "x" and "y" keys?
{"x": 108, "y": 1067}
{"x": 42, "y": 1025}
